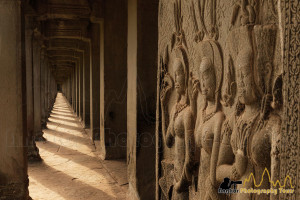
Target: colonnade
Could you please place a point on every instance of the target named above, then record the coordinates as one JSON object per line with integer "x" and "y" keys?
{"x": 107, "y": 72}
{"x": 28, "y": 90}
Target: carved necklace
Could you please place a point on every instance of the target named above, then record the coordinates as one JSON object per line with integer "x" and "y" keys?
{"x": 206, "y": 117}
{"x": 245, "y": 127}
{"x": 179, "y": 108}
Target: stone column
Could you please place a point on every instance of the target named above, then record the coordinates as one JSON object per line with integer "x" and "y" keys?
{"x": 86, "y": 85}
{"x": 68, "y": 89}
{"x": 53, "y": 90}
{"x": 113, "y": 77}
{"x": 46, "y": 91}
{"x": 81, "y": 69}
{"x": 33, "y": 151}
{"x": 95, "y": 82}
{"x": 13, "y": 118}
{"x": 64, "y": 88}
{"x": 37, "y": 88}
{"x": 43, "y": 69}
{"x": 77, "y": 87}
{"x": 73, "y": 89}
{"x": 49, "y": 88}
{"x": 141, "y": 97}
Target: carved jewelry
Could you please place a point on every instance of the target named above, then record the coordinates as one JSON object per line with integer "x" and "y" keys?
{"x": 234, "y": 173}
{"x": 179, "y": 108}
{"x": 206, "y": 117}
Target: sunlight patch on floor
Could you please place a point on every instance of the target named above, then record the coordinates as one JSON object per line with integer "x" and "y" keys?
{"x": 70, "y": 169}
{"x": 64, "y": 122}
{"x": 75, "y": 146}
{"x": 35, "y": 193}
{"x": 62, "y": 117}
{"x": 79, "y": 172}
{"x": 63, "y": 113}
{"x": 76, "y": 132}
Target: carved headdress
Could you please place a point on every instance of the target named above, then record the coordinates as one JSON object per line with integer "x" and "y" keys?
{"x": 179, "y": 45}
{"x": 209, "y": 51}
{"x": 207, "y": 28}
{"x": 254, "y": 45}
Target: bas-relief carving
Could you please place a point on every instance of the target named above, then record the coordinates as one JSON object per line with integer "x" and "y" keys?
{"x": 210, "y": 117}
{"x": 251, "y": 135}
{"x": 289, "y": 157}
{"x": 244, "y": 141}
{"x": 180, "y": 130}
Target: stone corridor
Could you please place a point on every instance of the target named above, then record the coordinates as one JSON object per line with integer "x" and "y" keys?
{"x": 149, "y": 99}
{"x": 71, "y": 168}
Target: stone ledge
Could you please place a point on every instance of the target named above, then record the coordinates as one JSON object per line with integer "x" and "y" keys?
{"x": 13, "y": 191}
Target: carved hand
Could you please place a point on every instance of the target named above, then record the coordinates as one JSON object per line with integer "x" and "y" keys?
{"x": 196, "y": 86}
{"x": 177, "y": 187}
{"x": 167, "y": 85}
{"x": 180, "y": 187}
{"x": 242, "y": 140}
{"x": 241, "y": 162}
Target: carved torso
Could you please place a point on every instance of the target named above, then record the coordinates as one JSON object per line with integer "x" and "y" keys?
{"x": 179, "y": 143}
{"x": 204, "y": 137}
{"x": 259, "y": 151}
{"x": 180, "y": 116}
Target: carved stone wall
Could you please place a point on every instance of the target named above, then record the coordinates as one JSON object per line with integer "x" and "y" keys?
{"x": 228, "y": 89}
{"x": 290, "y": 130}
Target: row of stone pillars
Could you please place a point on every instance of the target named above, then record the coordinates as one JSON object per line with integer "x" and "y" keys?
{"x": 41, "y": 88}
{"x": 28, "y": 91}
{"x": 96, "y": 87}
{"x": 111, "y": 88}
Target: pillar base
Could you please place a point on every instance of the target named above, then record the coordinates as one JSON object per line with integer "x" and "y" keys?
{"x": 14, "y": 191}
{"x": 112, "y": 153}
{"x": 40, "y": 138}
{"x": 44, "y": 125}
{"x": 33, "y": 154}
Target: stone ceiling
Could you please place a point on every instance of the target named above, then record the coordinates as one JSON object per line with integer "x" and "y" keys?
{"x": 64, "y": 29}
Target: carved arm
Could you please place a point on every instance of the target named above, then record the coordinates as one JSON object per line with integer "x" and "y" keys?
{"x": 186, "y": 176}
{"x": 226, "y": 156}
{"x": 216, "y": 148}
{"x": 275, "y": 156}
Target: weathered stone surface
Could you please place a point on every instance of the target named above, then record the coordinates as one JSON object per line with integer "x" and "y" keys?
{"x": 229, "y": 55}
{"x": 195, "y": 93}
{"x": 141, "y": 97}
{"x": 13, "y": 119}
{"x": 113, "y": 86}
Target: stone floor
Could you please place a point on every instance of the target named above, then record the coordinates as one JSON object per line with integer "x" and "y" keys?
{"x": 71, "y": 168}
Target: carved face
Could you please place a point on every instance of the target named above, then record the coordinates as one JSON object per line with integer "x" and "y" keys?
{"x": 207, "y": 79}
{"x": 179, "y": 77}
{"x": 245, "y": 83}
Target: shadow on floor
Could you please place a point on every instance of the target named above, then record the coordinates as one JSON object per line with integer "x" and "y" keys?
{"x": 71, "y": 168}
{"x": 63, "y": 185}
{"x": 67, "y": 119}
